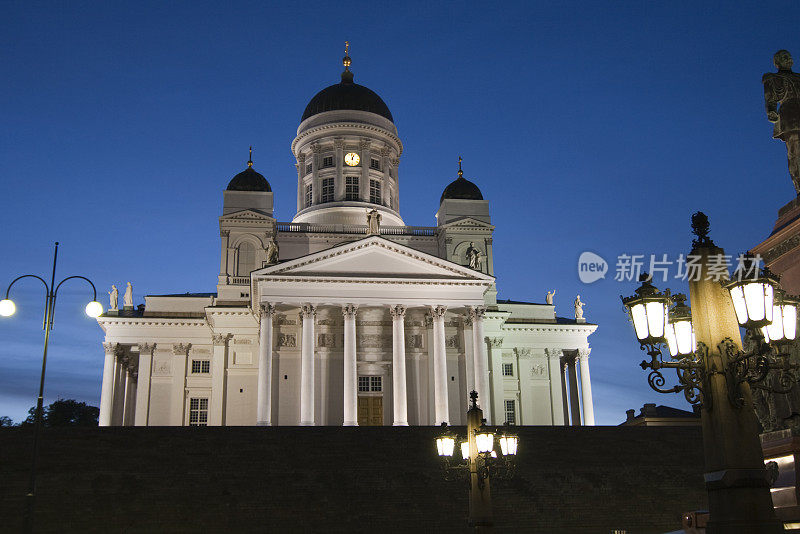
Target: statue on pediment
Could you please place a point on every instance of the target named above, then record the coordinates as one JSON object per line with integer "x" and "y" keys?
{"x": 373, "y": 222}
{"x": 782, "y": 100}
{"x": 113, "y": 297}
{"x": 579, "y": 308}
{"x": 127, "y": 298}
{"x": 549, "y": 297}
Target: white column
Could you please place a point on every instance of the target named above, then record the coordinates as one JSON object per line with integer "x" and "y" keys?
{"x": 308, "y": 312}
{"x": 180, "y": 357}
{"x": 564, "y": 391}
{"x": 350, "y": 369}
{"x": 439, "y": 366}
{"x": 143, "y": 384}
{"x": 399, "y": 388}
{"x": 586, "y": 388}
{"x": 119, "y": 391}
{"x": 494, "y": 409}
{"x": 107, "y": 391}
{"x": 127, "y": 397}
{"x": 480, "y": 359}
{"x": 264, "y": 399}
{"x": 556, "y": 399}
{"x": 574, "y": 400}
{"x": 219, "y": 364}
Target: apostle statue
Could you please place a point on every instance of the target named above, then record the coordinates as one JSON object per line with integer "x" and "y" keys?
{"x": 782, "y": 98}
{"x": 549, "y": 297}
{"x": 579, "y": 308}
{"x": 473, "y": 256}
{"x": 272, "y": 252}
{"x": 127, "y": 298}
{"x": 113, "y": 297}
{"x": 373, "y": 222}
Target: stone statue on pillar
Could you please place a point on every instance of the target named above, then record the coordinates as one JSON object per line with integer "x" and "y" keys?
{"x": 272, "y": 252}
{"x": 782, "y": 99}
{"x": 127, "y": 298}
{"x": 579, "y": 308}
{"x": 373, "y": 222}
{"x": 549, "y": 297}
{"x": 473, "y": 256}
{"x": 113, "y": 297}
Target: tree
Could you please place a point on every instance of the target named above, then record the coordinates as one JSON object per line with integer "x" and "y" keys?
{"x": 6, "y": 421}
{"x": 65, "y": 412}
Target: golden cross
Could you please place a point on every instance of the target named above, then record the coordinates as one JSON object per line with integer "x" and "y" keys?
{"x": 250, "y": 161}
{"x": 346, "y": 47}
{"x": 460, "y": 172}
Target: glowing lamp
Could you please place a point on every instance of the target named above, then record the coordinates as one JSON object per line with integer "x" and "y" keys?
{"x": 484, "y": 439}
{"x": 753, "y": 297}
{"x": 784, "y": 319}
{"x": 445, "y": 445}
{"x": 94, "y": 309}
{"x": 7, "y": 308}
{"x": 647, "y": 310}
{"x": 679, "y": 331}
{"x": 508, "y": 445}
{"x": 465, "y": 450}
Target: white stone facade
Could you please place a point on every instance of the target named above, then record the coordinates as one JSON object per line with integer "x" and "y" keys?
{"x": 346, "y": 328}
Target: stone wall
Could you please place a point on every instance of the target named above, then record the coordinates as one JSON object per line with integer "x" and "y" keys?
{"x": 293, "y": 479}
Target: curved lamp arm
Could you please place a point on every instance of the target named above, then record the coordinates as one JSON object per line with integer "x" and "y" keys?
{"x": 82, "y": 278}
{"x": 46, "y": 287}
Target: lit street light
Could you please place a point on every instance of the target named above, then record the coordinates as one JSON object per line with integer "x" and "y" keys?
{"x": 479, "y": 461}
{"x": 705, "y": 349}
{"x": 7, "y": 308}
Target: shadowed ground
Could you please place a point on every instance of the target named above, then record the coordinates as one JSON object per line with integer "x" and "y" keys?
{"x": 323, "y": 479}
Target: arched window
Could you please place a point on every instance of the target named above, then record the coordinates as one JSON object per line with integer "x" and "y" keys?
{"x": 247, "y": 259}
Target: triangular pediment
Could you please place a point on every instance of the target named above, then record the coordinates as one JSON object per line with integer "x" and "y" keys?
{"x": 373, "y": 257}
{"x": 467, "y": 222}
{"x": 245, "y": 215}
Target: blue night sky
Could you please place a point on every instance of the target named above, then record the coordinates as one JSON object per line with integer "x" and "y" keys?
{"x": 589, "y": 126}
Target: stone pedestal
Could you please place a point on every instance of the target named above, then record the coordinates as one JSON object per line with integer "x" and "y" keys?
{"x": 783, "y": 448}
{"x": 781, "y": 250}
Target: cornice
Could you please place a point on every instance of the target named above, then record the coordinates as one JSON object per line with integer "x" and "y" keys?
{"x": 353, "y": 125}
{"x": 549, "y": 328}
{"x": 150, "y": 321}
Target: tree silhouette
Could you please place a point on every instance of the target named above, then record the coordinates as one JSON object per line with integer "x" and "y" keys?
{"x": 65, "y": 412}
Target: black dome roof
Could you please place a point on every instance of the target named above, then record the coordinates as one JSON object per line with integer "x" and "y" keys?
{"x": 347, "y": 95}
{"x": 461, "y": 189}
{"x": 249, "y": 180}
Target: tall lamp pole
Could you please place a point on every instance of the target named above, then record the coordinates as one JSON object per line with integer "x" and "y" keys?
{"x": 7, "y": 308}
{"x": 714, "y": 371}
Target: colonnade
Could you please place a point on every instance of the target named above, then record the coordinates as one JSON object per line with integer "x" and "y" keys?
{"x": 576, "y": 395}
{"x": 399, "y": 381}
{"x": 119, "y": 391}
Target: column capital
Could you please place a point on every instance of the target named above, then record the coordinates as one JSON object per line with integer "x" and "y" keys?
{"x": 181, "y": 349}
{"x": 554, "y": 352}
{"x": 112, "y": 348}
{"x": 220, "y": 339}
{"x": 308, "y": 310}
{"x": 495, "y": 342}
{"x": 583, "y": 354}
{"x": 467, "y": 319}
{"x": 398, "y": 311}
{"x": 266, "y": 309}
{"x": 438, "y": 311}
{"x": 224, "y": 233}
{"x": 147, "y": 348}
{"x": 477, "y": 312}
{"x": 349, "y": 311}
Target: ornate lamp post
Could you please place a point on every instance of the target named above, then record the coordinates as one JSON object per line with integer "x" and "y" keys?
{"x": 7, "y": 308}
{"x": 479, "y": 461}
{"x": 705, "y": 350}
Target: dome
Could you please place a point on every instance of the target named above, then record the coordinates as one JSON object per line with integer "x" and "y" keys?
{"x": 347, "y": 95}
{"x": 249, "y": 180}
{"x": 461, "y": 189}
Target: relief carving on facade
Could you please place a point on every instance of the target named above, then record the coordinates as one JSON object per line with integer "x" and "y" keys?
{"x": 522, "y": 352}
{"x": 414, "y": 341}
{"x": 280, "y": 319}
{"x": 495, "y": 342}
{"x": 181, "y": 349}
{"x": 538, "y": 370}
{"x": 374, "y": 341}
{"x": 782, "y": 248}
{"x": 162, "y": 365}
{"x": 287, "y": 340}
{"x": 220, "y": 339}
{"x": 451, "y": 342}
{"x": 242, "y": 341}
{"x": 327, "y": 341}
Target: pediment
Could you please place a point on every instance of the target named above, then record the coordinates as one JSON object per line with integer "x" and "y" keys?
{"x": 373, "y": 257}
{"x": 468, "y": 222}
{"x": 245, "y": 215}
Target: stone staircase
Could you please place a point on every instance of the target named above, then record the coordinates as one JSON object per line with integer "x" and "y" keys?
{"x": 330, "y": 479}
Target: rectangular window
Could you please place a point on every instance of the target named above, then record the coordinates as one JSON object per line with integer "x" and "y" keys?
{"x": 508, "y": 369}
{"x": 375, "y": 164}
{"x": 198, "y": 412}
{"x": 201, "y": 366}
{"x": 511, "y": 412}
{"x": 309, "y": 194}
{"x": 370, "y": 384}
{"x": 327, "y": 161}
{"x": 327, "y": 190}
{"x": 375, "y": 191}
{"x": 309, "y": 168}
{"x": 351, "y": 188}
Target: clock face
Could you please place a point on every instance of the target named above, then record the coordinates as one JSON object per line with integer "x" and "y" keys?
{"x": 352, "y": 159}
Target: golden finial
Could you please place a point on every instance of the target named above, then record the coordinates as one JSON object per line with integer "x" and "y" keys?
{"x": 460, "y": 172}
{"x": 250, "y": 161}
{"x": 346, "y": 58}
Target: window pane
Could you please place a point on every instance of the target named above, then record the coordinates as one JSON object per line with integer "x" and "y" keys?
{"x": 351, "y": 188}
{"x": 508, "y": 369}
{"x": 327, "y": 190}
{"x": 309, "y": 195}
{"x": 308, "y": 168}
{"x": 247, "y": 259}
{"x": 375, "y": 191}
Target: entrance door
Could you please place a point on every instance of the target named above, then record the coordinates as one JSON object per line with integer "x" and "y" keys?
{"x": 370, "y": 410}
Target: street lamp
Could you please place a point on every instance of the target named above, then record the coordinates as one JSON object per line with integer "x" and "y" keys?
{"x": 713, "y": 371}
{"x": 7, "y": 308}
{"x": 479, "y": 461}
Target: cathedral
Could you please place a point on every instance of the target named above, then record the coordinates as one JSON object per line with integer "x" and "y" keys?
{"x": 345, "y": 315}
